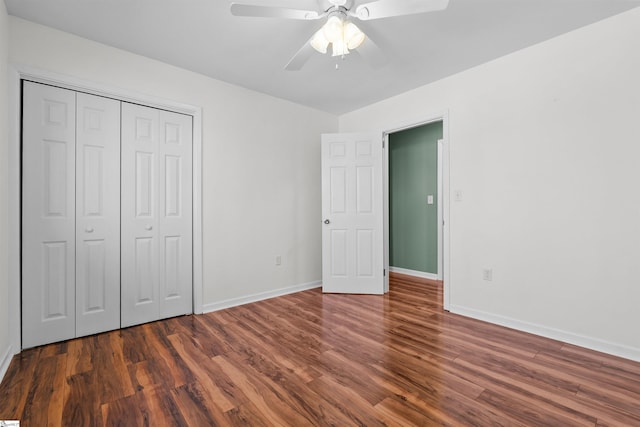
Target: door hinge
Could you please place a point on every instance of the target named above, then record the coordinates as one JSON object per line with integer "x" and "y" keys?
{"x": 384, "y": 271}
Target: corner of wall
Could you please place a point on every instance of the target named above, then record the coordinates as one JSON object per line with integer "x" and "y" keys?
{"x": 5, "y": 342}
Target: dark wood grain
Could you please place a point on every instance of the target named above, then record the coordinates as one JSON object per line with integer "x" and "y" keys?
{"x": 309, "y": 359}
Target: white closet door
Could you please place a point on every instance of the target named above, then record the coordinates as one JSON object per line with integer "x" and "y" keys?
{"x": 175, "y": 218}
{"x": 97, "y": 214}
{"x": 156, "y": 214}
{"x": 139, "y": 215}
{"x": 48, "y": 215}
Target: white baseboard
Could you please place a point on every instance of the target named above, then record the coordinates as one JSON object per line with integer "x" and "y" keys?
{"x": 5, "y": 362}
{"x": 556, "y": 334}
{"x": 415, "y": 273}
{"x": 233, "y": 302}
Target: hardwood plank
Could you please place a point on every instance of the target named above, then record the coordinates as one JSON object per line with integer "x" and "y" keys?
{"x": 17, "y": 383}
{"x": 82, "y": 406}
{"x": 200, "y": 366}
{"x": 200, "y": 335}
{"x": 135, "y": 347}
{"x": 153, "y": 407}
{"x": 193, "y": 401}
{"x": 40, "y": 394}
{"x": 314, "y": 359}
{"x": 59, "y": 391}
{"x": 259, "y": 346}
{"x": 396, "y": 411}
{"x": 627, "y": 403}
{"x": 163, "y": 407}
{"x": 493, "y": 380}
{"x": 259, "y": 390}
{"x": 446, "y": 407}
{"x": 246, "y": 415}
{"x": 596, "y": 375}
{"x": 341, "y": 405}
{"x": 175, "y": 370}
{"x": 532, "y": 412}
{"x": 110, "y": 372}
{"x": 79, "y": 356}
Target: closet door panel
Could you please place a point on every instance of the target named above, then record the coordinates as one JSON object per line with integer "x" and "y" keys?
{"x": 48, "y": 215}
{"x": 97, "y": 214}
{"x": 175, "y": 216}
{"x": 139, "y": 215}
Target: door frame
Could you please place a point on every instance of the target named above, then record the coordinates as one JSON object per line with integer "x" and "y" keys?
{"x": 443, "y": 189}
{"x": 17, "y": 73}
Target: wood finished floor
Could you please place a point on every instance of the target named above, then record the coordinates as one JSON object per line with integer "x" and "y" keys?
{"x": 314, "y": 359}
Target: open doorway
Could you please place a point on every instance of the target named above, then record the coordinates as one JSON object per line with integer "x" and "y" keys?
{"x": 416, "y": 201}
{"x": 414, "y": 204}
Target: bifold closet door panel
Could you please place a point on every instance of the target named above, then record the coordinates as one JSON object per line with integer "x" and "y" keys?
{"x": 48, "y": 214}
{"x": 139, "y": 215}
{"x": 175, "y": 220}
{"x": 97, "y": 214}
{"x": 156, "y": 214}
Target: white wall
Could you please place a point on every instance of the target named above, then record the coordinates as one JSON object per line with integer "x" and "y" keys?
{"x": 545, "y": 146}
{"x": 5, "y": 351}
{"x": 261, "y": 161}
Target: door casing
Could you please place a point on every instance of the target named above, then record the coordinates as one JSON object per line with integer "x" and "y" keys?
{"x": 443, "y": 173}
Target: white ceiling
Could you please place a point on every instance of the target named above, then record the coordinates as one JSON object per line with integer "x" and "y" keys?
{"x": 202, "y": 36}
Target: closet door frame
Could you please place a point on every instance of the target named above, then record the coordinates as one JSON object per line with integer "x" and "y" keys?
{"x": 18, "y": 73}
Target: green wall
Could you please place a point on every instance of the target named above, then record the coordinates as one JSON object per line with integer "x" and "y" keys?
{"x": 413, "y": 175}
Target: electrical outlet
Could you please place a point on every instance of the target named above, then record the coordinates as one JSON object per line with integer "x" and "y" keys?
{"x": 278, "y": 260}
{"x": 487, "y": 274}
{"x": 457, "y": 195}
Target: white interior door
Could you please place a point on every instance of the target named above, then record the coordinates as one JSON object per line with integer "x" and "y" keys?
{"x": 48, "y": 214}
{"x": 97, "y": 214}
{"x": 352, "y": 214}
{"x": 156, "y": 214}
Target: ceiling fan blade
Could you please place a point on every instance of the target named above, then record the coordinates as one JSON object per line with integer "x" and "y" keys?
{"x": 387, "y": 8}
{"x": 372, "y": 54}
{"x": 239, "y": 9}
{"x": 301, "y": 57}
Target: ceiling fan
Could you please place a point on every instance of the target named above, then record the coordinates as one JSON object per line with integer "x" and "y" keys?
{"x": 338, "y": 30}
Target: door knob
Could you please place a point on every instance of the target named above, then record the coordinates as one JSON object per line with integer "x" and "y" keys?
{"x": 148, "y": 228}
{"x": 326, "y": 221}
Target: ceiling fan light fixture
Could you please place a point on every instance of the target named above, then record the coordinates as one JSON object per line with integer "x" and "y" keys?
{"x": 333, "y": 29}
{"x": 319, "y": 42}
{"x": 339, "y": 48}
{"x": 338, "y": 30}
{"x": 353, "y": 36}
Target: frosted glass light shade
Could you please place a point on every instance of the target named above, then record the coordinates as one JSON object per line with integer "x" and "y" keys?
{"x": 353, "y": 37}
{"x": 333, "y": 29}
{"x": 319, "y": 41}
{"x": 340, "y": 33}
{"x": 339, "y": 48}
